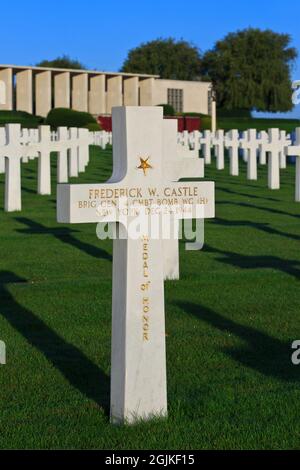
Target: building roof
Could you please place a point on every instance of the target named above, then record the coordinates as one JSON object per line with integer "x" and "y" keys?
{"x": 19, "y": 68}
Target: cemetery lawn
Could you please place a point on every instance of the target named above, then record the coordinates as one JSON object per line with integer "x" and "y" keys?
{"x": 230, "y": 322}
{"x": 261, "y": 124}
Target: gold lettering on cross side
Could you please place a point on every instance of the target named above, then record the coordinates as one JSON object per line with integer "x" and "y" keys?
{"x": 106, "y": 200}
{"x": 145, "y": 286}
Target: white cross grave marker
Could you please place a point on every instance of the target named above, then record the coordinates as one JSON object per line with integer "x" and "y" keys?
{"x": 250, "y": 144}
{"x": 62, "y": 158}
{"x": 83, "y": 149}
{"x": 12, "y": 151}
{"x": 285, "y": 142}
{"x": 195, "y": 139}
{"x": 232, "y": 143}
{"x": 73, "y": 152}
{"x": 273, "y": 149}
{"x": 25, "y": 140}
{"x": 44, "y": 163}
{"x": 206, "y": 146}
{"x": 218, "y": 142}
{"x": 185, "y": 135}
{"x": 2, "y": 143}
{"x": 294, "y": 150}
{"x": 243, "y": 139}
{"x": 138, "y": 371}
{"x": 177, "y": 164}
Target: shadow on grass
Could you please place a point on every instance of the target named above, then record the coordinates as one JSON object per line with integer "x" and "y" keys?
{"x": 250, "y": 196}
{"x": 253, "y": 206}
{"x": 74, "y": 365}
{"x": 256, "y": 225}
{"x": 28, "y": 190}
{"x": 267, "y": 355}
{"x": 243, "y": 184}
{"x": 255, "y": 262}
{"x": 28, "y": 178}
{"x": 63, "y": 234}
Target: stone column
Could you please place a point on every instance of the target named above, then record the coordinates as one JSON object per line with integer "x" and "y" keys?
{"x": 213, "y": 116}
{"x": 62, "y": 90}
{"x": 80, "y": 92}
{"x": 131, "y": 91}
{"x": 97, "y": 98}
{"x": 43, "y": 93}
{"x": 147, "y": 92}
{"x": 24, "y": 91}
{"x": 6, "y": 89}
{"x": 114, "y": 93}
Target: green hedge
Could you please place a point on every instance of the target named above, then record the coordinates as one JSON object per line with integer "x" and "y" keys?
{"x": 26, "y": 120}
{"x": 68, "y": 117}
{"x": 93, "y": 127}
{"x": 205, "y": 122}
{"x": 234, "y": 113}
{"x": 168, "y": 109}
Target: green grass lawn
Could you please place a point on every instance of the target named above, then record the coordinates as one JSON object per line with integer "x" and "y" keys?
{"x": 243, "y": 123}
{"x": 260, "y": 124}
{"x": 230, "y": 322}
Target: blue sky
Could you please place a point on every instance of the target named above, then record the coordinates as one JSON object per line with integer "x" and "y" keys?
{"x": 100, "y": 33}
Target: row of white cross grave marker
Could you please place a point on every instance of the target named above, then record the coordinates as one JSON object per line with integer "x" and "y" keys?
{"x": 18, "y": 146}
{"x": 254, "y": 146}
{"x": 72, "y": 145}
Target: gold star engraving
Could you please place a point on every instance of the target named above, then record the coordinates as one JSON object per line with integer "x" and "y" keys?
{"x": 144, "y": 165}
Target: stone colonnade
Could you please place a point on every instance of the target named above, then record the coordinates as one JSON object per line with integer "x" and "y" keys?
{"x": 38, "y": 90}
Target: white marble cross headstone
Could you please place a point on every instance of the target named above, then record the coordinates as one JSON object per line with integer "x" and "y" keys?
{"x": 25, "y": 140}
{"x": 218, "y": 142}
{"x": 83, "y": 149}
{"x": 285, "y": 142}
{"x": 232, "y": 143}
{"x": 138, "y": 371}
{"x": 44, "y": 162}
{"x": 62, "y": 157}
{"x": 206, "y": 146}
{"x": 105, "y": 139}
{"x": 185, "y": 136}
{"x": 264, "y": 140}
{"x": 250, "y": 144}
{"x": 294, "y": 150}
{"x": 12, "y": 152}
{"x": 36, "y": 143}
{"x": 196, "y": 140}
{"x": 73, "y": 152}
{"x": 273, "y": 149}
{"x": 243, "y": 139}
{"x": 177, "y": 163}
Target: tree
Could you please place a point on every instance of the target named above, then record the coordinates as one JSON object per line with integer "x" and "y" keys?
{"x": 251, "y": 69}
{"x": 63, "y": 62}
{"x": 167, "y": 58}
